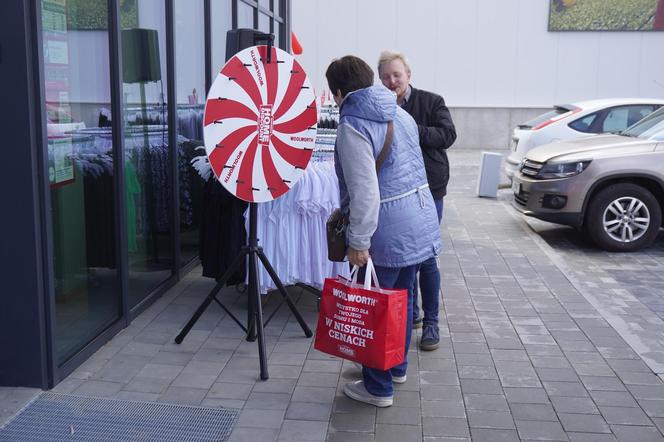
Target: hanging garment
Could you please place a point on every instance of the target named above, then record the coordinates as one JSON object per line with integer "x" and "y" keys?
{"x": 291, "y": 229}
{"x": 222, "y": 233}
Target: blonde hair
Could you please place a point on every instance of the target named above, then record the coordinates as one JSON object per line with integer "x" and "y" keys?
{"x": 389, "y": 56}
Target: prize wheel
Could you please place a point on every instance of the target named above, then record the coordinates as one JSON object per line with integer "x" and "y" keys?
{"x": 260, "y": 124}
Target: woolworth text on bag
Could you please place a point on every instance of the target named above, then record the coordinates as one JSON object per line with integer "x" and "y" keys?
{"x": 362, "y": 323}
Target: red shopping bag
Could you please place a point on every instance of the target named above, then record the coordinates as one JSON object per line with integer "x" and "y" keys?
{"x": 362, "y": 323}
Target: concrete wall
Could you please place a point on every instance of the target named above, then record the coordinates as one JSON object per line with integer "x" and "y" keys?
{"x": 488, "y": 128}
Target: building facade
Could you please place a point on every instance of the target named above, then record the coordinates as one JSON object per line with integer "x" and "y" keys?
{"x": 496, "y": 63}
{"x": 104, "y": 117}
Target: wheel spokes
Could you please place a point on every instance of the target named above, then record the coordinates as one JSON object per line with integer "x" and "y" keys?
{"x": 616, "y": 208}
{"x": 641, "y": 226}
{"x": 614, "y": 228}
{"x": 638, "y": 207}
{"x": 611, "y": 222}
{"x": 630, "y": 233}
{"x": 632, "y": 203}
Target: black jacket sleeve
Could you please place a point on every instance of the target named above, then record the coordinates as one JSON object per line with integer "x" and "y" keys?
{"x": 440, "y": 132}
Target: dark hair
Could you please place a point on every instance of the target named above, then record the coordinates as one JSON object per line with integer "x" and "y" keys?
{"x": 348, "y": 74}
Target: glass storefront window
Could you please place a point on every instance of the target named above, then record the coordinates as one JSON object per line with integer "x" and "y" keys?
{"x": 147, "y": 153}
{"x": 277, "y": 34}
{"x": 190, "y": 74}
{"x": 82, "y": 158}
{"x": 245, "y": 15}
{"x": 222, "y": 15}
{"x": 80, "y": 168}
{"x": 263, "y": 22}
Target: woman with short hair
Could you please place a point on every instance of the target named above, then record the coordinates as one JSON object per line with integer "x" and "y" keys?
{"x": 392, "y": 213}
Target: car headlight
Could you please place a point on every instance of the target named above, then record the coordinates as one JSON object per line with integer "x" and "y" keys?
{"x": 562, "y": 170}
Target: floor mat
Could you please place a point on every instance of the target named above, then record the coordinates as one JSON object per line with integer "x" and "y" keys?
{"x": 62, "y": 417}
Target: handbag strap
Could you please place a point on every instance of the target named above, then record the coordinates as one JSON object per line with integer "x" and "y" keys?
{"x": 382, "y": 156}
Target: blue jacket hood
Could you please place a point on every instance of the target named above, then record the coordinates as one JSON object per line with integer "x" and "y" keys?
{"x": 375, "y": 103}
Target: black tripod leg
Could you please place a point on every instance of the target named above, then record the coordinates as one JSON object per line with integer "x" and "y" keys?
{"x": 251, "y": 310}
{"x": 257, "y": 310}
{"x": 204, "y": 305}
{"x": 284, "y": 293}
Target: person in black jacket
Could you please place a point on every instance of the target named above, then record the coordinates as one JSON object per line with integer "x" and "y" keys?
{"x": 437, "y": 134}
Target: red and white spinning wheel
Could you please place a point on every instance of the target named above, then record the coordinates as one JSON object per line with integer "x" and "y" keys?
{"x": 260, "y": 124}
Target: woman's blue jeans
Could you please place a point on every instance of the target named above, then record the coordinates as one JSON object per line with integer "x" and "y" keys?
{"x": 429, "y": 283}
{"x": 379, "y": 382}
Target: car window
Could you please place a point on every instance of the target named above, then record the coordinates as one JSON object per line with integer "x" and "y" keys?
{"x": 584, "y": 124}
{"x": 620, "y": 118}
{"x": 655, "y": 132}
{"x": 650, "y": 126}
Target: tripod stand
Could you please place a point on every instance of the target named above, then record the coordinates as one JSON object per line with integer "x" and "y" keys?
{"x": 255, "y": 323}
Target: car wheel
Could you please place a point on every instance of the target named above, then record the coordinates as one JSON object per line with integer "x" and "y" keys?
{"x": 623, "y": 217}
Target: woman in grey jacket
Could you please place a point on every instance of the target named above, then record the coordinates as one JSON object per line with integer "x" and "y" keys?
{"x": 392, "y": 214}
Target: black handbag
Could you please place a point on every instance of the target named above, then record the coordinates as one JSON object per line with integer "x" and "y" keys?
{"x": 337, "y": 223}
{"x": 336, "y": 227}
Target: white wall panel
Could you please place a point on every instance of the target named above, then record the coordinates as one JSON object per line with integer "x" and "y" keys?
{"x": 326, "y": 31}
{"x": 651, "y": 67}
{"x": 576, "y": 67}
{"x": 305, "y": 17}
{"x": 618, "y": 65}
{"x": 482, "y": 53}
{"x": 496, "y": 52}
{"x": 535, "y": 66}
{"x": 416, "y": 34}
{"x": 455, "y": 60}
{"x": 378, "y": 30}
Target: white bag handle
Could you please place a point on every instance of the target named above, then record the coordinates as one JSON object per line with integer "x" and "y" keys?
{"x": 369, "y": 274}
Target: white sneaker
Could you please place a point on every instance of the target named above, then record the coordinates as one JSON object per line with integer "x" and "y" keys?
{"x": 399, "y": 379}
{"x": 357, "y": 391}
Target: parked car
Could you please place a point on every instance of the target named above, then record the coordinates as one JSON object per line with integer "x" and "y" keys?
{"x": 569, "y": 121}
{"x": 610, "y": 185}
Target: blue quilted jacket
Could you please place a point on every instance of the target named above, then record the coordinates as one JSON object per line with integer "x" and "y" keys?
{"x": 407, "y": 232}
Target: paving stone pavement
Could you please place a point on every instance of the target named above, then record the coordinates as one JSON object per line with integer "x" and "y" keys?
{"x": 628, "y": 289}
{"x": 542, "y": 338}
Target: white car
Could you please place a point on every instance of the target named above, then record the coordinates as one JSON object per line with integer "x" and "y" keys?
{"x": 569, "y": 121}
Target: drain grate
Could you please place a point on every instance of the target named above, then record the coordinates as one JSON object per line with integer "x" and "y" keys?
{"x": 56, "y": 417}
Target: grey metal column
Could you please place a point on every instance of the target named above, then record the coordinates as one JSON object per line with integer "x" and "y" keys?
{"x": 117, "y": 115}
{"x": 25, "y": 333}
{"x": 171, "y": 93}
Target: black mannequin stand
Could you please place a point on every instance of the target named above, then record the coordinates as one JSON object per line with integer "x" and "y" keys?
{"x": 255, "y": 323}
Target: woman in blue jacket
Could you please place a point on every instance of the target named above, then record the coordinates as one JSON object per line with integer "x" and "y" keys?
{"x": 392, "y": 214}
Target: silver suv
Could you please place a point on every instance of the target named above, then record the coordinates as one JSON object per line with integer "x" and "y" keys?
{"x": 610, "y": 185}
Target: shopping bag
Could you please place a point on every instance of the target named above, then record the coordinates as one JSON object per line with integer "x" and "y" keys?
{"x": 362, "y": 323}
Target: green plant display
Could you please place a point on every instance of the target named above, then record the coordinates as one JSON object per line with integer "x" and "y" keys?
{"x": 602, "y": 15}
{"x": 93, "y": 14}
